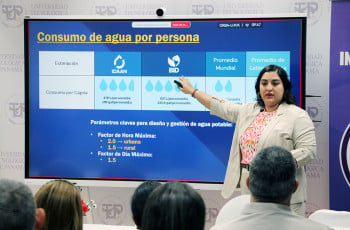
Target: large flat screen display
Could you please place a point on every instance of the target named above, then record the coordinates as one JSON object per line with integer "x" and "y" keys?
{"x": 101, "y": 103}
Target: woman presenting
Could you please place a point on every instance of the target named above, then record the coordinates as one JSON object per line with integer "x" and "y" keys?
{"x": 273, "y": 119}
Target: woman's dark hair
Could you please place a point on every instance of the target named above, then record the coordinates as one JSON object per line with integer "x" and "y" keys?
{"x": 139, "y": 199}
{"x": 288, "y": 96}
{"x": 174, "y": 206}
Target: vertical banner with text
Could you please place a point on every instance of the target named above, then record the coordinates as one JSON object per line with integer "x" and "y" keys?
{"x": 339, "y": 107}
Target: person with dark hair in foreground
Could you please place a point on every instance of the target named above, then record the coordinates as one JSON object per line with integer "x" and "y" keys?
{"x": 139, "y": 198}
{"x": 17, "y": 207}
{"x": 273, "y": 119}
{"x": 271, "y": 180}
{"x": 174, "y": 206}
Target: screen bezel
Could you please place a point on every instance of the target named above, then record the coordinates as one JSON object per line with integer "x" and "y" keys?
{"x": 135, "y": 183}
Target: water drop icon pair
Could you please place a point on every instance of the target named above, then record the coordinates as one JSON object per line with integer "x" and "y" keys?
{"x": 219, "y": 87}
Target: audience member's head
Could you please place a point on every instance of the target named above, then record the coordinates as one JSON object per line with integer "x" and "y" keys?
{"x": 17, "y": 207}
{"x": 272, "y": 175}
{"x": 139, "y": 198}
{"x": 62, "y": 203}
{"x": 174, "y": 206}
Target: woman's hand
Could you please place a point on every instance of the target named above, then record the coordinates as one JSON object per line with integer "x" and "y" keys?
{"x": 186, "y": 88}
{"x": 201, "y": 97}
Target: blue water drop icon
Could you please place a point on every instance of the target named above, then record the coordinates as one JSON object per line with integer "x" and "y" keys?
{"x": 122, "y": 85}
{"x": 103, "y": 85}
{"x": 218, "y": 86}
{"x": 168, "y": 86}
{"x": 228, "y": 86}
{"x": 195, "y": 85}
{"x": 149, "y": 86}
{"x": 159, "y": 86}
{"x": 113, "y": 86}
{"x": 177, "y": 89}
{"x": 131, "y": 85}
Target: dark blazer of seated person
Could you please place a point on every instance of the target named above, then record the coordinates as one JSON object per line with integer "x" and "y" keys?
{"x": 271, "y": 181}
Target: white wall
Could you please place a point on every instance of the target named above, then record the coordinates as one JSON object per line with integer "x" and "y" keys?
{"x": 118, "y": 199}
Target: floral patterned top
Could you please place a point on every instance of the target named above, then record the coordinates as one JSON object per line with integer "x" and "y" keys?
{"x": 251, "y": 136}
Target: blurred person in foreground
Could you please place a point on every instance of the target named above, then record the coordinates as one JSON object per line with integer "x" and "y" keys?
{"x": 17, "y": 207}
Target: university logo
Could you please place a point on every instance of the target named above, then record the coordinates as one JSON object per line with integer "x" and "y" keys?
{"x": 202, "y": 9}
{"x": 11, "y": 63}
{"x": 111, "y": 210}
{"x": 15, "y": 109}
{"x": 105, "y": 10}
{"x": 344, "y": 154}
{"x": 315, "y": 63}
{"x": 312, "y": 111}
{"x": 315, "y": 169}
{"x": 12, "y": 13}
{"x": 244, "y": 7}
{"x": 211, "y": 212}
{"x": 105, "y": 7}
{"x": 315, "y": 110}
{"x": 313, "y": 10}
{"x": 12, "y": 161}
{"x": 57, "y": 7}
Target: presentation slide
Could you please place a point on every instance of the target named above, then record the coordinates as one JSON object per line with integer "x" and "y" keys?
{"x": 102, "y": 103}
